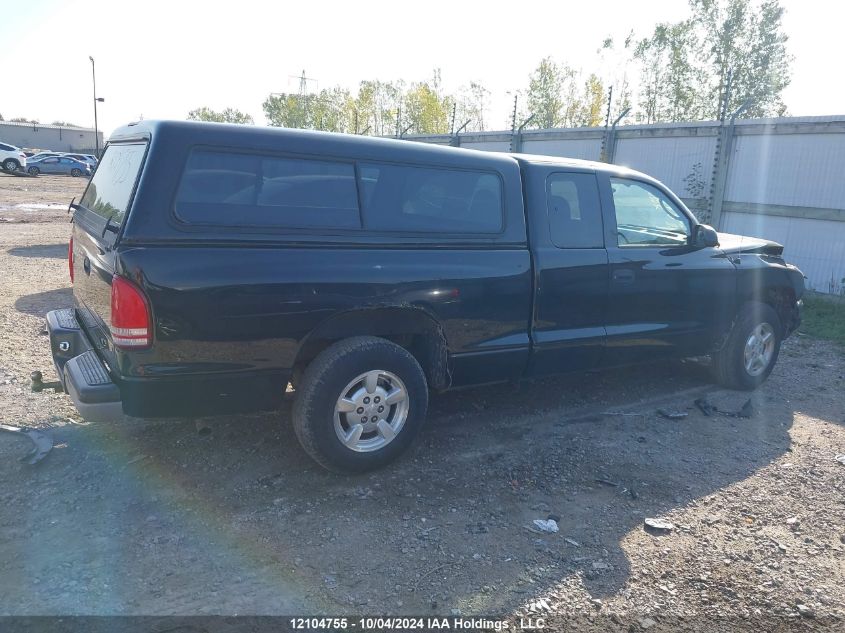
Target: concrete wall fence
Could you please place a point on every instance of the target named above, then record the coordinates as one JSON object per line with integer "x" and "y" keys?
{"x": 56, "y": 138}
{"x": 781, "y": 179}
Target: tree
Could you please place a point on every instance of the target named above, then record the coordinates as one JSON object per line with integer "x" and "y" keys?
{"x": 64, "y": 124}
{"x": 20, "y": 119}
{"x": 615, "y": 68}
{"x": 560, "y": 96}
{"x": 286, "y": 110}
{"x": 229, "y": 115}
{"x": 672, "y": 74}
{"x": 749, "y": 41}
{"x": 426, "y": 110}
{"x": 592, "y": 102}
{"x": 469, "y": 105}
{"x": 685, "y": 66}
{"x": 378, "y": 104}
{"x": 545, "y": 93}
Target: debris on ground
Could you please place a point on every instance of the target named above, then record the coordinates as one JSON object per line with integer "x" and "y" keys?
{"x": 672, "y": 415}
{"x": 42, "y": 441}
{"x": 709, "y": 409}
{"x": 607, "y": 482}
{"x": 658, "y": 525}
{"x": 705, "y": 407}
{"x": 546, "y": 525}
{"x": 841, "y": 458}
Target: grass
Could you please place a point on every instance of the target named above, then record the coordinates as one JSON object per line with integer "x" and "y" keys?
{"x": 824, "y": 317}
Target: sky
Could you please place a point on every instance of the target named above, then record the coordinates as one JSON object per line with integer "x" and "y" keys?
{"x": 159, "y": 60}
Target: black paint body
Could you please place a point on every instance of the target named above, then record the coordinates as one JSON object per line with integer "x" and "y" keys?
{"x": 235, "y": 311}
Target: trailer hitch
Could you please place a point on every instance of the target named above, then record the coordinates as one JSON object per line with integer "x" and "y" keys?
{"x": 38, "y": 385}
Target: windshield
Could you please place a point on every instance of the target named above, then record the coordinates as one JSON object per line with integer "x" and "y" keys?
{"x": 111, "y": 188}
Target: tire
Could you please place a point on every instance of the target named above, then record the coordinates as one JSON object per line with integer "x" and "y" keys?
{"x": 10, "y": 164}
{"x": 751, "y": 349}
{"x": 366, "y": 371}
{"x": 76, "y": 173}
{"x": 33, "y": 171}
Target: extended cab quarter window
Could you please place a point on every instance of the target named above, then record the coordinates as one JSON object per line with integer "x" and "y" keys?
{"x": 646, "y": 217}
{"x": 574, "y": 211}
{"x": 233, "y": 189}
{"x": 430, "y": 200}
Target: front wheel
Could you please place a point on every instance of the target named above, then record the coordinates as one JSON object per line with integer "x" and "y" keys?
{"x": 751, "y": 350}
{"x": 76, "y": 173}
{"x": 359, "y": 404}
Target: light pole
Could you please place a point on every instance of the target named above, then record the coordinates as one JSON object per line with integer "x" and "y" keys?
{"x": 96, "y": 99}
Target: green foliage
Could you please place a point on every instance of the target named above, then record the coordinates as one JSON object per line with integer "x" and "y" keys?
{"x": 557, "y": 97}
{"x": 20, "y": 119}
{"x": 593, "y": 106}
{"x": 671, "y": 80}
{"x": 685, "y": 66}
{"x": 824, "y": 317}
{"x": 546, "y": 86}
{"x": 425, "y": 109}
{"x": 229, "y": 115}
{"x": 64, "y": 124}
{"x": 379, "y": 108}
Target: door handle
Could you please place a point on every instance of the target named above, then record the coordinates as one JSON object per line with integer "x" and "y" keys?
{"x": 623, "y": 276}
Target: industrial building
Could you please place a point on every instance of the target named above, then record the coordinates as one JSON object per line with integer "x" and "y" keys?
{"x": 58, "y": 138}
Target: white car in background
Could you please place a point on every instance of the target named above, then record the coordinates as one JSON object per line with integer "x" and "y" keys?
{"x": 12, "y": 158}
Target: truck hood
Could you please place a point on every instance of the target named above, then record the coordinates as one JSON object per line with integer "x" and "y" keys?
{"x": 730, "y": 243}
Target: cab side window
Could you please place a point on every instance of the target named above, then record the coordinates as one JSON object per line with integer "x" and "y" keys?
{"x": 574, "y": 210}
{"x": 646, "y": 217}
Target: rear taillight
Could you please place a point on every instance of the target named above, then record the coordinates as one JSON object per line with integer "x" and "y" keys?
{"x": 130, "y": 315}
{"x": 70, "y": 258}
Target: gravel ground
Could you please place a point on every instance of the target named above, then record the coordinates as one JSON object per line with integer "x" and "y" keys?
{"x": 153, "y": 517}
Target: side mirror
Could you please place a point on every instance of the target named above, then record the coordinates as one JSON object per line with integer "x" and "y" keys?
{"x": 706, "y": 235}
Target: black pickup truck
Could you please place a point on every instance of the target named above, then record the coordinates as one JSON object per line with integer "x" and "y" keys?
{"x": 213, "y": 265}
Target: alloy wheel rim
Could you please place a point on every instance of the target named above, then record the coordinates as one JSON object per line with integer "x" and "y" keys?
{"x": 371, "y": 411}
{"x": 759, "y": 349}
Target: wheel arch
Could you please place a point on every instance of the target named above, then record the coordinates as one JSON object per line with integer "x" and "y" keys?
{"x": 412, "y": 328}
{"x": 781, "y": 298}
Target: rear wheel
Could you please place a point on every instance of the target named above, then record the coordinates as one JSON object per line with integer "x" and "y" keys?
{"x": 359, "y": 404}
{"x": 751, "y": 350}
{"x": 34, "y": 171}
{"x": 10, "y": 164}
{"x": 76, "y": 173}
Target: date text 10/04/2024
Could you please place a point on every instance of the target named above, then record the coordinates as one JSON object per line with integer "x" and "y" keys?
{"x": 455, "y": 623}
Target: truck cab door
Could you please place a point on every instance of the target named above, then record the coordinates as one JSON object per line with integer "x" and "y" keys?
{"x": 571, "y": 269}
{"x": 668, "y": 296}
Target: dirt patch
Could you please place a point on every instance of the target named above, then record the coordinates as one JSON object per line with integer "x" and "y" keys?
{"x": 154, "y": 518}
{"x": 39, "y": 199}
